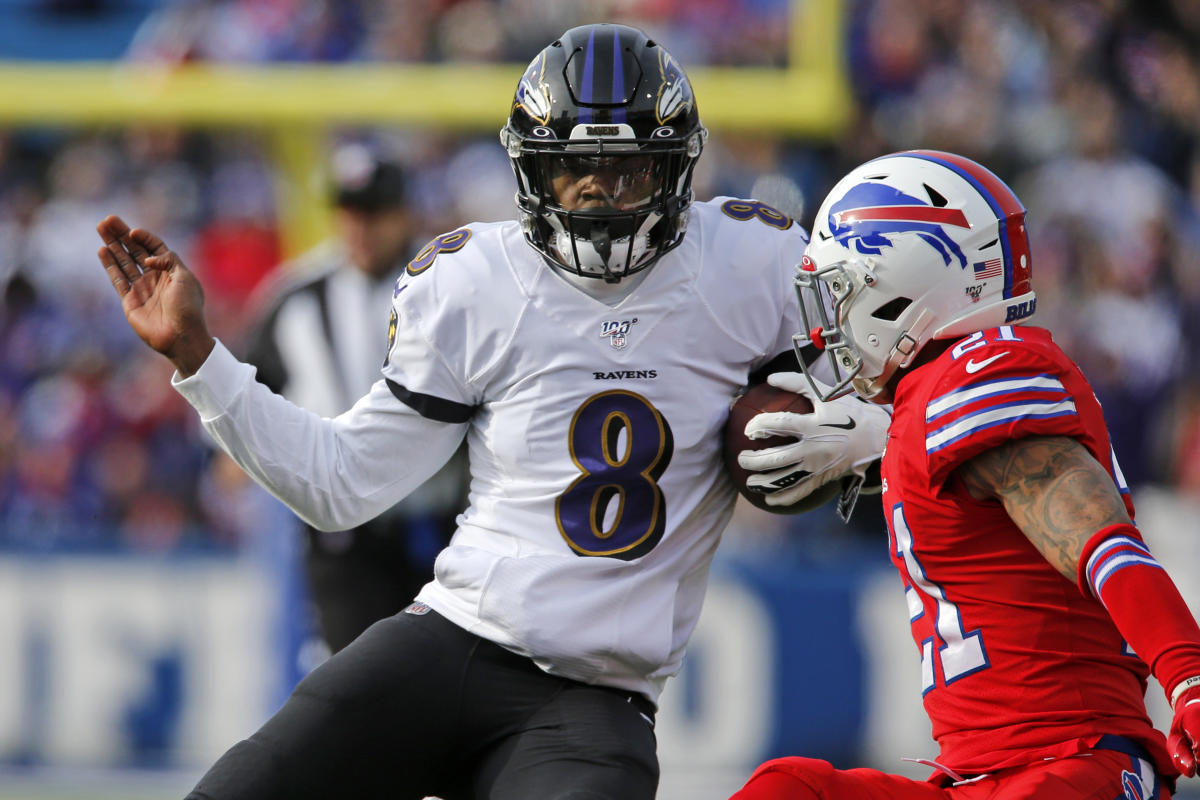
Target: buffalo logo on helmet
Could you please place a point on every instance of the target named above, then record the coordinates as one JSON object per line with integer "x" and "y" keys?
{"x": 533, "y": 95}
{"x": 675, "y": 92}
{"x": 870, "y": 212}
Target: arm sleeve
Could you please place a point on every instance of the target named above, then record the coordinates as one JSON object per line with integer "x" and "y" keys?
{"x": 334, "y": 473}
{"x": 1117, "y": 568}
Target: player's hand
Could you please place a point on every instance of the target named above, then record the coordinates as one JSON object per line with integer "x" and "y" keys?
{"x": 1183, "y": 740}
{"x": 162, "y": 300}
{"x": 841, "y": 437}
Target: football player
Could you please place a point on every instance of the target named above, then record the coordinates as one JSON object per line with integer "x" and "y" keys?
{"x": 1037, "y": 608}
{"x": 588, "y": 353}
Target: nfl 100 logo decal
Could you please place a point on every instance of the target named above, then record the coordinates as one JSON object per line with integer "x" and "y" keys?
{"x": 617, "y": 331}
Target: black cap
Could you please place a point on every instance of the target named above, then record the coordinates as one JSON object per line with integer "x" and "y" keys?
{"x": 365, "y": 180}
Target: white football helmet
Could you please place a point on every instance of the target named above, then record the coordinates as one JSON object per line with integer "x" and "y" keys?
{"x": 907, "y": 248}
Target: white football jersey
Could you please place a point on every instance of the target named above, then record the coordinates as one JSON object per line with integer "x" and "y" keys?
{"x": 598, "y": 493}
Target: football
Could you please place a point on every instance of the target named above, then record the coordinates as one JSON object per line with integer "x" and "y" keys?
{"x": 758, "y": 399}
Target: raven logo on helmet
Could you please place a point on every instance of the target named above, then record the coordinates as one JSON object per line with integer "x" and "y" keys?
{"x": 870, "y": 211}
{"x": 675, "y": 92}
{"x": 532, "y": 93}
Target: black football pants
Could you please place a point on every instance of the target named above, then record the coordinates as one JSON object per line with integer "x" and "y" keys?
{"x": 417, "y": 706}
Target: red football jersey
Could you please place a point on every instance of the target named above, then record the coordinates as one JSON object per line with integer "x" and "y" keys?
{"x": 1017, "y": 664}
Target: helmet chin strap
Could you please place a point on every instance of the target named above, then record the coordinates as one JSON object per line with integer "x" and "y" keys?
{"x": 597, "y": 253}
{"x": 592, "y": 257}
{"x": 602, "y": 242}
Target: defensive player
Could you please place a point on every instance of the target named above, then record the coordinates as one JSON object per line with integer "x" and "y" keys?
{"x": 588, "y": 353}
{"x": 1036, "y": 606}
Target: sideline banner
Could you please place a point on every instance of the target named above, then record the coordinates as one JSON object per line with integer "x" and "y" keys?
{"x": 141, "y": 661}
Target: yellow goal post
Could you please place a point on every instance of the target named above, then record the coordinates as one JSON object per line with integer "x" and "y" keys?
{"x": 296, "y": 104}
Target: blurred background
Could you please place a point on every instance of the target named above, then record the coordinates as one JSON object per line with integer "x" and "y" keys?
{"x": 151, "y": 608}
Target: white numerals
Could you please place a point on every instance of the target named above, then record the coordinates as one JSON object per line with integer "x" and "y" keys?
{"x": 978, "y": 339}
{"x": 961, "y": 653}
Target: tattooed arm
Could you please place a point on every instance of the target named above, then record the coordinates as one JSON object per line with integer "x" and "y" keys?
{"x": 1056, "y": 492}
{"x": 1063, "y": 500}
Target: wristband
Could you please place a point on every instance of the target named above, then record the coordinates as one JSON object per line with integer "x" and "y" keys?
{"x": 1182, "y": 687}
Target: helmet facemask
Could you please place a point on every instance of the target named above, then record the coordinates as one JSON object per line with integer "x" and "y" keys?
{"x": 603, "y": 157}
{"x": 864, "y": 331}
{"x": 603, "y": 208}
{"x": 822, "y": 293}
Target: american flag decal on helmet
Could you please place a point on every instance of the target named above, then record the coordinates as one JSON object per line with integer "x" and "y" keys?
{"x": 992, "y": 268}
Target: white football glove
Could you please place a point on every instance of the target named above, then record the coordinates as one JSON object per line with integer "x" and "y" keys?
{"x": 840, "y": 438}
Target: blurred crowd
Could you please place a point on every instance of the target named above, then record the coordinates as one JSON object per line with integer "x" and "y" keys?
{"x": 1089, "y": 108}
{"x": 699, "y": 31}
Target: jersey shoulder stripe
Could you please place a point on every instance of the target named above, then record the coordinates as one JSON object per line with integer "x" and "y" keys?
{"x": 992, "y": 387}
{"x": 992, "y": 390}
{"x": 975, "y": 407}
{"x": 983, "y": 419}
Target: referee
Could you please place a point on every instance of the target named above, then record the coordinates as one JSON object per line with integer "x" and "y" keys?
{"x": 320, "y": 344}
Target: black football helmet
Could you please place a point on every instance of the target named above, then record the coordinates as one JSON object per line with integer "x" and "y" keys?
{"x": 604, "y": 135}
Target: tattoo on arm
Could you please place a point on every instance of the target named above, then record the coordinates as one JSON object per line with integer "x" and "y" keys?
{"x": 1053, "y": 489}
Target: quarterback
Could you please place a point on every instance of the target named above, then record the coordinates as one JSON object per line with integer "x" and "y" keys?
{"x": 588, "y": 353}
{"x": 1037, "y": 608}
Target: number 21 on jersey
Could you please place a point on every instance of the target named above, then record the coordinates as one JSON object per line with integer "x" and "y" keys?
{"x": 960, "y": 652}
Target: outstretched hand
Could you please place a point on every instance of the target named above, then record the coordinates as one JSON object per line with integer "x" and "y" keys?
{"x": 162, "y": 300}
